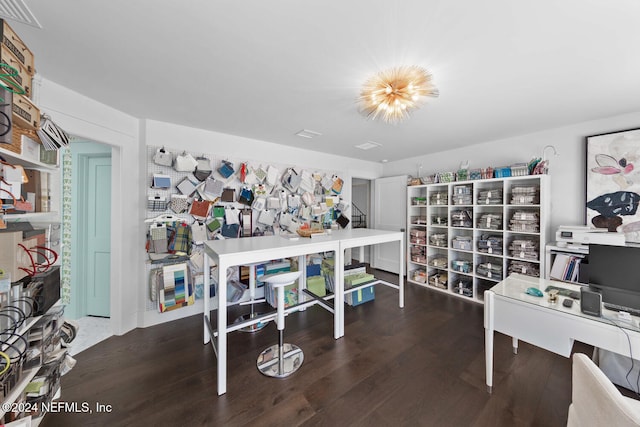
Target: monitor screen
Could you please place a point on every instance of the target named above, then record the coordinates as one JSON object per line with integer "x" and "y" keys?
{"x": 615, "y": 271}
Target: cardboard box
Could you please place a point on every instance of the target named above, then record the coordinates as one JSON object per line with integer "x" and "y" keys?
{"x": 18, "y": 74}
{"x": 360, "y": 296}
{"x": 17, "y": 47}
{"x": 25, "y": 113}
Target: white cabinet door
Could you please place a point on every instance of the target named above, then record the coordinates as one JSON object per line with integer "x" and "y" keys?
{"x": 390, "y": 213}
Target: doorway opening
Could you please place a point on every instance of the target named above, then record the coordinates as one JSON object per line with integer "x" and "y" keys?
{"x": 361, "y": 208}
{"x": 90, "y": 230}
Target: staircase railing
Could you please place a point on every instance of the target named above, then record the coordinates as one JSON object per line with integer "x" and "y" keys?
{"x": 359, "y": 218}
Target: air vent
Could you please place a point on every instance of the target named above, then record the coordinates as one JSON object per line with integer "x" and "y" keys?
{"x": 17, "y": 10}
{"x": 306, "y": 133}
{"x": 368, "y": 145}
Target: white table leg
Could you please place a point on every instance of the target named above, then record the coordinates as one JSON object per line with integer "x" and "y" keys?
{"x": 222, "y": 328}
{"x": 206, "y": 295}
{"x": 488, "y": 338}
{"x": 401, "y": 276}
{"x": 252, "y": 281}
{"x": 302, "y": 280}
{"x": 514, "y": 341}
{"x": 338, "y": 289}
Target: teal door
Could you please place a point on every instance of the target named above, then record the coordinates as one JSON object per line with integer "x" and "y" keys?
{"x": 98, "y": 235}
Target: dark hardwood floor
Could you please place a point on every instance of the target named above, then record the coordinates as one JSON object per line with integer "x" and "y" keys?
{"x": 418, "y": 366}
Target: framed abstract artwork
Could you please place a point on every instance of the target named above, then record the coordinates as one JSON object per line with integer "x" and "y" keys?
{"x": 613, "y": 182}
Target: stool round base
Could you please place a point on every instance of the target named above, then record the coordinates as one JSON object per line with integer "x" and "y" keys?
{"x": 269, "y": 365}
{"x": 251, "y": 328}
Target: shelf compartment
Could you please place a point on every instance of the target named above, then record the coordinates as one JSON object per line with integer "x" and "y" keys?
{"x": 418, "y": 275}
{"x": 438, "y": 261}
{"x": 439, "y": 198}
{"x": 438, "y": 279}
{"x": 490, "y": 244}
{"x": 524, "y": 267}
{"x": 462, "y": 285}
{"x": 417, "y": 237}
{"x": 483, "y": 285}
{"x": 525, "y": 194}
{"x": 490, "y": 197}
{"x": 490, "y": 270}
{"x": 490, "y": 221}
{"x": 419, "y": 220}
{"x": 462, "y": 218}
{"x": 418, "y": 254}
{"x": 462, "y": 266}
{"x": 524, "y": 247}
{"x": 462, "y": 195}
{"x": 525, "y": 220}
{"x": 462, "y": 242}
{"x": 438, "y": 239}
{"x": 419, "y": 201}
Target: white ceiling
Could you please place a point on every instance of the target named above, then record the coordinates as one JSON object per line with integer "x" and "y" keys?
{"x": 266, "y": 69}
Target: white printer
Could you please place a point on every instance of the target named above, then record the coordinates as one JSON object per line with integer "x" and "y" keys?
{"x": 583, "y": 235}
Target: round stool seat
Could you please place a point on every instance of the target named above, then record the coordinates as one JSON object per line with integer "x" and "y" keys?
{"x": 281, "y": 279}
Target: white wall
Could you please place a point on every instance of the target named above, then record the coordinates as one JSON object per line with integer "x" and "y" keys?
{"x": 567, "y": 170}
{"x": 88, "y": 119}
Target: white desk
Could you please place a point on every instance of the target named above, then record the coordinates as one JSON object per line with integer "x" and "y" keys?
{"x": 235, "y": 252}
{"x": 551, "y": 326}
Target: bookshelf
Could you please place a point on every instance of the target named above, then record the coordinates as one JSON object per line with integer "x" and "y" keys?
{"x": 466, "y": 236}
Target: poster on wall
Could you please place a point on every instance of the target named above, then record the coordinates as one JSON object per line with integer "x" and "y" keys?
{"x": 613, "y": 182}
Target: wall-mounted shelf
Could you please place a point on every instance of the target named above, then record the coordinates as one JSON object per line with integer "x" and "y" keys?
{"x": 25, "y": 161}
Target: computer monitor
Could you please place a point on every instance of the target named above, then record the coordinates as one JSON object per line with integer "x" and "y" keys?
{"x": 614, "y": 271}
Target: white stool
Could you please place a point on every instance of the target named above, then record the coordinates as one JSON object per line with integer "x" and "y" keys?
{"x": 280, "y": 360}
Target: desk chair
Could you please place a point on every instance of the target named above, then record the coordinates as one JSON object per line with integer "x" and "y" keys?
{"x": 280, "y": 360}
{"x": 595, "y": 401}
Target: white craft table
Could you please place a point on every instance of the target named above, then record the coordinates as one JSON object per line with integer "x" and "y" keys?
{"x": 551, "y": 326}
{"x": 235, "y": 252}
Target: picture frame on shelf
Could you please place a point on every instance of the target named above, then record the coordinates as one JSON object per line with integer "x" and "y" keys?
{"x": 613, "y": 182}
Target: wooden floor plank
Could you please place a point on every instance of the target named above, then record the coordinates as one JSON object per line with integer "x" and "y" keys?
{"x": 421, "y": 365}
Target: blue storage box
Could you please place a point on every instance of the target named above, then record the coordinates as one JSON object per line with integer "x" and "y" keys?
{"x": 313, "y": 270}
{"x": 360, "y": 296}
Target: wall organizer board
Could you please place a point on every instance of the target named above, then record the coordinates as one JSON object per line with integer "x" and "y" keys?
{"x": 222, "y": 198}
{"x": 613, "y": 182}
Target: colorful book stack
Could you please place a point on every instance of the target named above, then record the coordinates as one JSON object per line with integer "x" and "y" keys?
{"x": 566, "y": 267}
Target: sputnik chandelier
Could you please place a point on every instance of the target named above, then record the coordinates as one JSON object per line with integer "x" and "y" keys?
{"x": 392, "y": 94}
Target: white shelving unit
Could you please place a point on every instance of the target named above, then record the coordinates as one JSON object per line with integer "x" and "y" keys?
{"x": 466, "y": 236}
